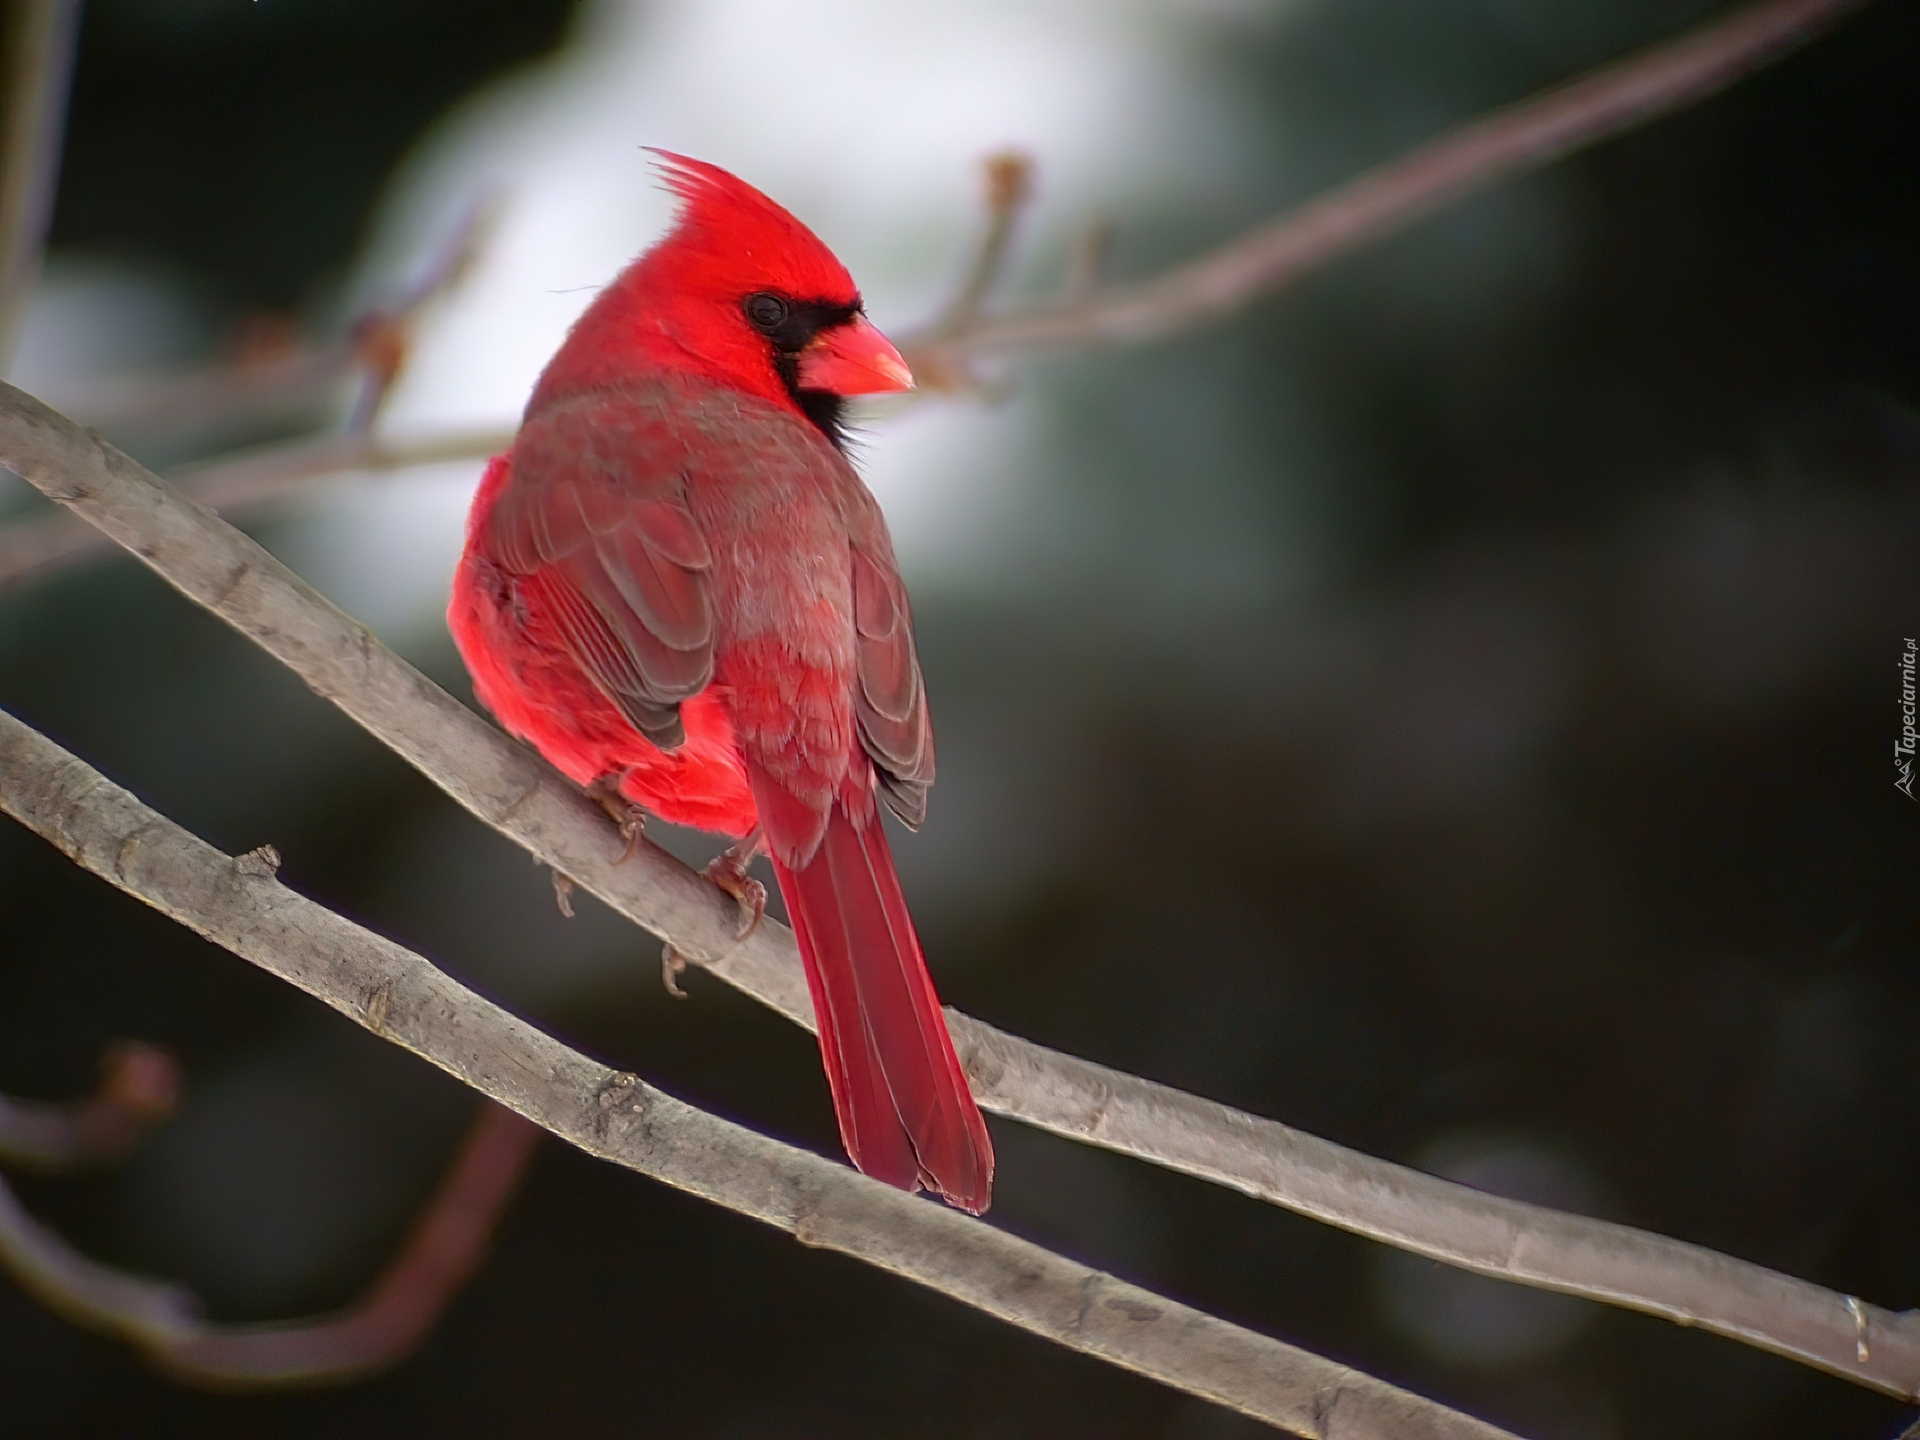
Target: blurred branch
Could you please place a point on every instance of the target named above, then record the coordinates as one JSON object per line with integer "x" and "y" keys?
{"x": 1009, "y": 186}
{"x": 1520, "y": 137}
{"x": 1088, "y": 259}
{"x": 246, "y": 484}
{"x": 37, "y": 39}
{"x": 398, "y": 995}
{"x": 385, "y": 1325}
{"x": 375, "y": 347}
{"x": 138, "y": 1088}
{"x": 506, "y": 786}
{"x": 268, "y": 376}
{"x": 382, "y": 337}
{"x": 252, "y": 481}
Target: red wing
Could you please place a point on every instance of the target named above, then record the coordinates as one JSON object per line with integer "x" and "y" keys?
{"x": 595, "y": 525}
{"x": 890, "y": 704}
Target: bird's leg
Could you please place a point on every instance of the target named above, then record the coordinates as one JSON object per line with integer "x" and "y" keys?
{"x": 631, "y": 819}
{"x": 728, "y": 870}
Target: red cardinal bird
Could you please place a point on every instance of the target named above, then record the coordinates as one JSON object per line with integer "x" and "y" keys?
{"x": 675, "y": 584}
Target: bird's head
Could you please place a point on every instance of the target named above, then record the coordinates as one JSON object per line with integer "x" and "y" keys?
{"x": 739, "y": 292}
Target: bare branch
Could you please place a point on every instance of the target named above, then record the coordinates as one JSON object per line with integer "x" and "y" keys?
{"x": 264, "y": 380}
{"x": 1520, "y": 137}
{"x": 382, "y": 337}
{"x": 90, "y": 1294}
{"x": 252, "y": 481}
{"x": 380, "y": 1329}
{"x": 37, "y": 39}
{"x": 1009, "y": 186}
{"x": 138, "y": 1088}
{"x": 249, "y": 485}
{"x": 300, "y": 374}
{"x": 506, "y": 786}
{"x": 1088, "y": 260}
{"x": 238, "y": 903}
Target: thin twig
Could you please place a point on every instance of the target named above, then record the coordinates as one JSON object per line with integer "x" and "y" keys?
{"x": 138, "y": 1088}
{"x": 381, "y": 1328}
{"x": 1520, "y": 137}
{"x": 383, "y": 337}
{"x": 287, "y": 376}
{"x": 506, "y": 786}
{"x": 1009, "y": 186}
{"x": 246, "y": 485}
{"x": 256, "y": 481}
{"x": 375, "y": 347}
{"x": 1088, "y": 260}
{"x": 37, "y": 39}
{"x": 400, "y": 996}
{"x": 1531, "y": 133}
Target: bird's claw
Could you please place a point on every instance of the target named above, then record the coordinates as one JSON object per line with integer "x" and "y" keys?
{"x": 563, "y": 893}
{"x": 672, "y": 966}
{"x": 631, "y": 829}
{"x": 728, "y": 870}
{"x": 631, "y": 819}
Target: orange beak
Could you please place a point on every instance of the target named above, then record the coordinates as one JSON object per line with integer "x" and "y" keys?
{"x": 853, "y": 359}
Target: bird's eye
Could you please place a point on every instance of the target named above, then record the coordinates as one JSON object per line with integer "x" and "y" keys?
{"x": 766, "y": 312}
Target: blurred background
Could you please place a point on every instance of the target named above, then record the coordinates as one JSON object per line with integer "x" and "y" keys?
{"x": 1448, "y": 708}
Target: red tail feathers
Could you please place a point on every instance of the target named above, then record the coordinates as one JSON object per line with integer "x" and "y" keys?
{"x": 906, "y": 1115}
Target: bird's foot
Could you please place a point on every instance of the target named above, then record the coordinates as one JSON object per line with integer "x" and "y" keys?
{"x": 672, "y": 966}
{"x": 631, "y": 819}
{"x": 632, "y": 827}
{"x": 728, "y": 870}
{"x": 563, "y": 893}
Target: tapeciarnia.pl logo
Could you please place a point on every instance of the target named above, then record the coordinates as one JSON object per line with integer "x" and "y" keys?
{"x": 1903, "y": 747}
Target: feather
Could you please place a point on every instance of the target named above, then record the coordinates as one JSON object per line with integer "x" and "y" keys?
{"x": 676, "y": 582}
{"x": 906, "y": 1115}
